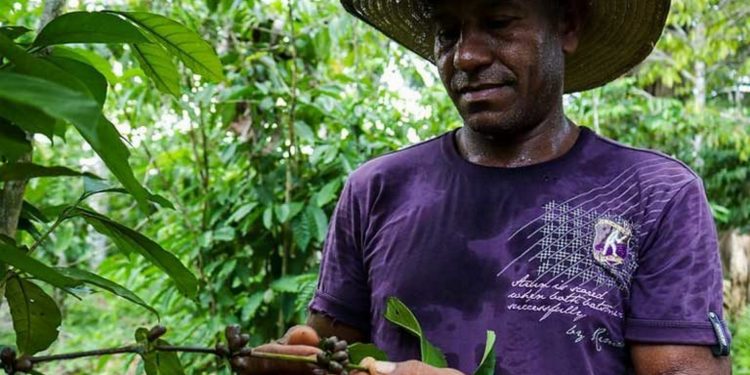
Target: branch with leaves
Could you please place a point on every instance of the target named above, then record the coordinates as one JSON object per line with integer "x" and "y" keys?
{"x": 159, "y": 357}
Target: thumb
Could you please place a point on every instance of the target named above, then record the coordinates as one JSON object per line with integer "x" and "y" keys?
{"x": 301, "y": 335}
{"x": 378, "y": 367}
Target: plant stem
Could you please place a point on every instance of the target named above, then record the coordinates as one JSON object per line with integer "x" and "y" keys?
{"x": 187, "y": 349}
{"x": 138, "y": 349}
{"x": 91, "y": 353}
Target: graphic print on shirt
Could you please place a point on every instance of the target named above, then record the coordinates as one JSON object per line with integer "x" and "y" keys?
{"x": 582, "y": 252}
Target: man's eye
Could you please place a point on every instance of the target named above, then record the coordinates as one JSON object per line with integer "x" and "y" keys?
{"x": 499, "y": 24}
{"x": 448, "y": 35}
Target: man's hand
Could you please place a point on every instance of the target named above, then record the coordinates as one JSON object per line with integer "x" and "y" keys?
{"x": 404, "y": 368}
{"x": 299, "y": 341}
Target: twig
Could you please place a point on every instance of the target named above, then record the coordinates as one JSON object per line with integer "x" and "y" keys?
{"x": 137, "y": 349}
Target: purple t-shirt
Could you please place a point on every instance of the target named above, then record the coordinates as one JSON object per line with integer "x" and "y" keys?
{"x": 567, "y": 260}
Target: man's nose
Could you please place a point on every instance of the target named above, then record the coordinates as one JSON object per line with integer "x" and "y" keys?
{"x": 473, "y": 50}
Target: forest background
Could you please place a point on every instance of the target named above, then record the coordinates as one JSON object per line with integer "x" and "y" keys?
{"x": 253, "y": 164}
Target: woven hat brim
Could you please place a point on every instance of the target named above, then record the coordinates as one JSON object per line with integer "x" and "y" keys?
{"x": 617, "y": 36}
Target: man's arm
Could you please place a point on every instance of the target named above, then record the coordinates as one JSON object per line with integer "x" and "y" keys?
{"x": 650, "y": 359}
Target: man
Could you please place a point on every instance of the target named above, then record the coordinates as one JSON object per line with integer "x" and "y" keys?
{"x": 583, "y": 255}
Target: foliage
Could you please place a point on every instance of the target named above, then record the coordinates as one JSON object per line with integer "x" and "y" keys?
{"x": 41, "y": 93}
{"x": 253, "y": 164}
{"x": 399, "y": 314}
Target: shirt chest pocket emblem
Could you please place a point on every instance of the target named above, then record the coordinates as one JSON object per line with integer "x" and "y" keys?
{"x": 611, "y": 242}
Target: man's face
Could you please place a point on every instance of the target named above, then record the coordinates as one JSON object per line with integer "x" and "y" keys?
{"x": 502, "y": 61}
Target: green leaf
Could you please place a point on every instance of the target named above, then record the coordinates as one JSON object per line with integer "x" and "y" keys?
{"x": 188, "y": 46}
{"x": 148, "y": 355}
{"x": 108, "y": 285}
{"x": 93, "y": 186}
{"x": 23, "y": 262}
{"x": 13, "y": 32}
{"x": 252, "y": 305}
{"x": 83, "y": 112}
{"x": 487, "y": 365}
{"x": 31, "y": 212}
{"x": 129, "y": 240}
{"x": 287, "y": 284}
{"x": 13, "y": 142}
{"x": 241, "y": 212}
{"x": 51, "y": 98}
{"x": 168, "y": 363}
{"x": 85, "y": 56}
{"x": 327, "y": 193}
{"x": 94, "y": 81}
{"x": 359, "y": 351}
{"x": 105, "y": 140}
{"x": 301, "y": 232}
{"x": 319, "y": 220}
{"x": 400, "y": 315}
{"x": 88, "y": 27}
{"x": 158, "y": 65}
{"x": 36, "y": 317}
{"x": 28, "y": 118}
{"x": 25, "y": 171}
{"x": 25, "y": 63}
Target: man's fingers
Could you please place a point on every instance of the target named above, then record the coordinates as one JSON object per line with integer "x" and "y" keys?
{"x": 301, "y": 350}
{"x": 301, "y": 335}
{"x": 267, "y": 366}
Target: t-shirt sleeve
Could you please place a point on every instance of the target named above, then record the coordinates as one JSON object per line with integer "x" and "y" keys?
{"x": 678, "y": 282}
{"x": 343, "y": 291}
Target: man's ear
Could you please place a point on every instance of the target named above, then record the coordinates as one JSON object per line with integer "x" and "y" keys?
{"x": 572, "y": 21}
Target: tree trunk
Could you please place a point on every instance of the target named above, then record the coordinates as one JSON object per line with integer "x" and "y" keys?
{"x": 735, "y": 257}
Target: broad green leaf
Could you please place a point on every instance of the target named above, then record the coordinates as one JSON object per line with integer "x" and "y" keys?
{"x": 94, "y": 81}
{"x": 36, "y": 317}
{"x": 359, "y": 351}
{"x": 85, "y": 56}
{"x": 88, "y": 27}
{"x": 27, "y": 64}
{"x": 397, "y": 313}
{"x": 83, "y": 112}
{"x": 105, "y": 140}
{"x": 31, "y": 212}
{"x": 70, "y": 105}
{"x": 27, "y": 226}
{"x": 93, "y": 186}
{"x": 13, "y": 142}
{"x": 28, "y": 118}
{"x": 327, "y": 193}
{"x": 108, "y": 285}
{"x": 302, "y": 232}
{"x": 25, "y": 171}
{"x": 129, "y": 240}
{"x": 241, "y": 212}
{"x": 487, "y": 365}
{"x": 317, "y": 217}
{"x": 51, "y": 98}
{"x": 188, "y": 46}
{"x": 13, "y": 32}
{"x": 158, "y": 65}
{"x": 251, "y": 307}
{"x": 23, "y": 262}
{"x": 288, "y": 284}
{"x": 148, "y": 355}
{"x": 168, "y": 363}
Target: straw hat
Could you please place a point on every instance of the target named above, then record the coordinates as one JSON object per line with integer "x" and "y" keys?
{"x": 617, "y": 35}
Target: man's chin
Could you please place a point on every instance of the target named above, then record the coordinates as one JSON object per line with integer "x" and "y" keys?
{"x": 493, "y": 123}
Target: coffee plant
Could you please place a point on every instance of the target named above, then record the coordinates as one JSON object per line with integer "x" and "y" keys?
{"x": 45, "y": 88}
